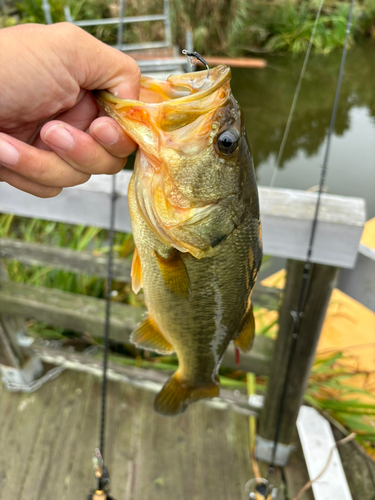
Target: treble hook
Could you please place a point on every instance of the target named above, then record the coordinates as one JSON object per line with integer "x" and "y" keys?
{"x": 189, "y": 57}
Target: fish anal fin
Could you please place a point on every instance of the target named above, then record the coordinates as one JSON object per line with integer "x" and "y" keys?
{"x": 147, "y": 336}
{"x": 136, "y": 272}
{"x": 174, "y": 273}
{"x": 245, "y": 339}
{"x": 177, "y": 395}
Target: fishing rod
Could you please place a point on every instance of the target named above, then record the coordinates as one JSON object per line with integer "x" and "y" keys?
{"x": 100, "y": 470}
{"x": 295, "y": 97}
{"x": 303, "y": 295}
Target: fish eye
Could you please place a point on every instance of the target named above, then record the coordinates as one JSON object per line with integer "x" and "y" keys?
{"x": 227, "y": 141}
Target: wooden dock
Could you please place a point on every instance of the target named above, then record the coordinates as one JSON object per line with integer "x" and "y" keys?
{"x": 48, "y": 437}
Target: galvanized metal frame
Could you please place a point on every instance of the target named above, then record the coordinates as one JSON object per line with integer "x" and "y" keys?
{"x": 121, "y": 21}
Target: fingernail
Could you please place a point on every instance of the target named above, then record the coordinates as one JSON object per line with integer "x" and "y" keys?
{"x": 59, "y": 137}
{"x": 106, "y": 133}
{"x": 8, "y": 154}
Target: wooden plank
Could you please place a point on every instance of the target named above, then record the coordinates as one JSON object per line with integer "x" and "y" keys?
{"x": 237, "y": 62}
{"x": 318, "y": 447}
{"x": 296, "y": 474}
{"x": 21, "y": 419}
{"x": 56, "y": 438}
{"x": 257, "y": 361}
{"x": 11, "y": 354}
{"x": 80, "y": 478}
{"x": 36, "y": 254}
{"x": 85, "y": 262}
{"x": 86, "y": 314}
{"x": 69, "y": 310}
{"x": 8, "y": 354}
{"x": 359, "y": 467}
{"x": 150, "y": 457}
{"x": 321, "y": 283}
{"x": 147, "y": 378}
{"x": 88, "y": 205}
{"x": 286, "y": 216}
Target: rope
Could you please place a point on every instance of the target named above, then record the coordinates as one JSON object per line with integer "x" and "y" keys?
{"x": 107, "y": 321}
{"x": 297, "y": 315}
{"x": 295, "y": 98}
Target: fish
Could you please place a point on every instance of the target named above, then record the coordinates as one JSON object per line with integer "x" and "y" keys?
{"x": 194, "y": 211}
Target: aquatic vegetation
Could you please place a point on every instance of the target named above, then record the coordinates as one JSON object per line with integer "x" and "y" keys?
{"x": 346, "y": 393}
{"x": 230, "y": 27}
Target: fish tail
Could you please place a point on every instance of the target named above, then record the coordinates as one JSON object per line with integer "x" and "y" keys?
{"x": 176, "y": 395}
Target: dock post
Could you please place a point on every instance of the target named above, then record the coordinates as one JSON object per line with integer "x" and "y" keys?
{"x": 321, "y": 284}
{"x": 17, "y": 366}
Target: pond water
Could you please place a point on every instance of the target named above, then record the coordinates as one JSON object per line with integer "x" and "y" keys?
{"x": 265, "y": 96}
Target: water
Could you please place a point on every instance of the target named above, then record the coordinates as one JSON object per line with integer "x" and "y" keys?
{"x": 265, "y": 96}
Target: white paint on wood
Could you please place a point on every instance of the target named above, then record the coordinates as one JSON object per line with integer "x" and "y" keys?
{"x": 286, "y": 217}
{"x": 317, "y": 442}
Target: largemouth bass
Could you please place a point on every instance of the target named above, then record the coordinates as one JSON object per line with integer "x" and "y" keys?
{"x": 194, "y": 209}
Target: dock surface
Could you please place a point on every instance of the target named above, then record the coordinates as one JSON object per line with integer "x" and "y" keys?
{"x": 47, "y": 439}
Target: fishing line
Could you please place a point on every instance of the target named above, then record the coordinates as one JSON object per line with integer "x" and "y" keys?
{"x": 297, "y": 315}
{"x": 295, "y": 97}
{"x": 107, "y": 315}
{"x": 101, "y": 472}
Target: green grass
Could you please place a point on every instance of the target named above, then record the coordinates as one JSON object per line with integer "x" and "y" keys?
{"x": 68, "y": 236}
{"x": 331, "y": 389}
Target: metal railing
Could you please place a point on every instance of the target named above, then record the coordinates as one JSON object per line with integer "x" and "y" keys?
{"x": 121, "y": 21}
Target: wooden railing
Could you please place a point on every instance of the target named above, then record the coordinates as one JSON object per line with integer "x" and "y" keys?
{"x": 286, "y": 223}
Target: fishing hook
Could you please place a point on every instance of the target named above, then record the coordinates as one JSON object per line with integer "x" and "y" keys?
{"x": 189, "y": 57}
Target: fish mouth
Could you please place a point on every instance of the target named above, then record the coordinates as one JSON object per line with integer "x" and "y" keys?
{"x": 168, "y": 105}
{"x": 172, "y": 120}
{"x": 178, "y": 88}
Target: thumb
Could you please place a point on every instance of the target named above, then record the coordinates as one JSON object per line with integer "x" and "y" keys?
{"x": 96, "y": 65}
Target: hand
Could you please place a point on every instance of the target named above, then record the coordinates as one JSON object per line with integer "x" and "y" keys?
{"x": 50, "y": 133}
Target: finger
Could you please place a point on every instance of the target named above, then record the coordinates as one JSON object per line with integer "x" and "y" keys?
{"x": 30, "y": 187}
{"x": 111, "y": 136}
{"x": 96, "y": 65}
{"x": 82, "y": 114}
{"x": 80, "y": 150}
{"x": 42, "y": 167}
{"x": 79, "y": 116}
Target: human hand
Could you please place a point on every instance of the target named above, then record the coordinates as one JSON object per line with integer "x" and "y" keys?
{"x": 50, "y": 133}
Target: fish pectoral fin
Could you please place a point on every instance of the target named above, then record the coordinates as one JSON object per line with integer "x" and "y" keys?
{"x": 177, "y": 394}
{"x": 136, "y": 272}
{"x": 245, "y": 339}
{"x": 174, "y": 273}
{"x": 147, "y": 336}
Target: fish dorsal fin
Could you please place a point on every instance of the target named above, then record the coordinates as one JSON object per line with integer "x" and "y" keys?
{"x": 148, "y": 336}
{"x": 174, "y": 273}
{"x": 136, "y": 272}
{"x": 177, "y": 394}
{"x": 245, "y": 339}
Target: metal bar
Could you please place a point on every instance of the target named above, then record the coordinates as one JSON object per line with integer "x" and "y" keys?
{"x": 117, "y": 20}
{"x": 68, "y": 15}
{"x": 121, "y": 24}
{"x": 47, "y": 11}
{"x": 168, "y": 31}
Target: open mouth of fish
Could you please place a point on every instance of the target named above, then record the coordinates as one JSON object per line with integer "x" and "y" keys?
{"x": 173, "y": 122}
{"x": 169, "y": 104}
